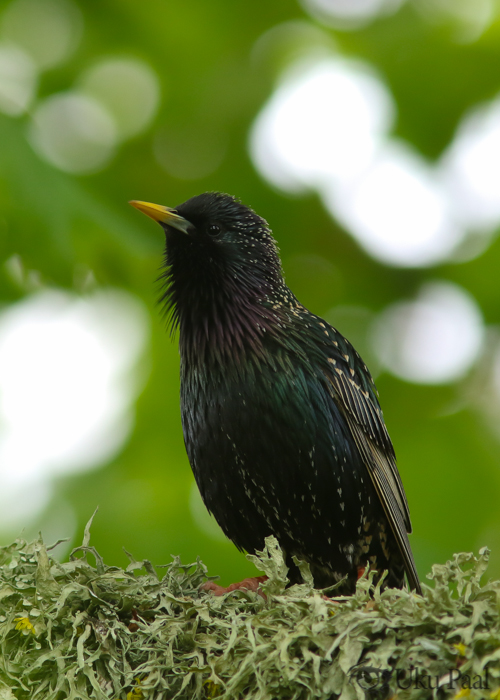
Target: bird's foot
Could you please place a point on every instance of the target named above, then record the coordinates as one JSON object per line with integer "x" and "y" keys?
{"x": 248, "y": 584}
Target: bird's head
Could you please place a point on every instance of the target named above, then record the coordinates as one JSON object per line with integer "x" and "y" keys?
{"x": 219, "y": 255}
{"x": 218, "y": 230}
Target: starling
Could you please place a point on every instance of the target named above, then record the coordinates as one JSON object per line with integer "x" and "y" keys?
{"x": 281, "y": 421}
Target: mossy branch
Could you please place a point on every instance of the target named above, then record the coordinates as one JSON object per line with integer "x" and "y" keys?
{"x": 88, "y": 630}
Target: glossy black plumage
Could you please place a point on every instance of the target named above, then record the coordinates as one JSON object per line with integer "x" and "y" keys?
{"x": 281, "y": 420}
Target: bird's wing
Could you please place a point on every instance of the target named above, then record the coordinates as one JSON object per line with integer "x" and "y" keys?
{"x": 367, "y": 427}
{"x": 381, "y": 476}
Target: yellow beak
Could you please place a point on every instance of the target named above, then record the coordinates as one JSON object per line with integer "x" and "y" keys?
{"x": 163, "y": 215}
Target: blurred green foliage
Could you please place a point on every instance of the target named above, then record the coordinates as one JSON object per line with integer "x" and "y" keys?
{"x": 213, "y": 83}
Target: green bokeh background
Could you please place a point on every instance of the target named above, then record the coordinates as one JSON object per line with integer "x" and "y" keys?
{"x": 214, "y": 82}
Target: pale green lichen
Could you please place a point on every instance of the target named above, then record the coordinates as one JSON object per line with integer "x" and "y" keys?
{"x": 82, "y": 630}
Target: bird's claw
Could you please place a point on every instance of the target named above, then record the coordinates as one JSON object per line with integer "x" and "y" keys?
{"x": 248, "y": 584}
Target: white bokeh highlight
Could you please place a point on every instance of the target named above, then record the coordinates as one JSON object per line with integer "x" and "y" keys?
{"x": 128, "y": 89}
{"x": 434, "y": 339}
{"x": 471, "y": 167}
{"x": 67, "y": 384}
{"x": 79, "y": 131}
{"x": 74, "y": 132}
{"x": 487, "y": 398}
{"x": 49, "y": 31}
{"x": 349, "y": 13}
{"x": 469, "y": 19}
{"x": 18, "y": 80}
{"x": 327, "y": 128}
{"x": 398, "y": 209}
{"x": 322, "y": 124}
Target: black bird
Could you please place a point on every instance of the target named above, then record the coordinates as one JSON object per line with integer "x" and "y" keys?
{"x": 280, "y": 415}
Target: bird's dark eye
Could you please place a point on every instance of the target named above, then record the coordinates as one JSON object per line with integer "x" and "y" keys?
{"x": 213, "y": 229}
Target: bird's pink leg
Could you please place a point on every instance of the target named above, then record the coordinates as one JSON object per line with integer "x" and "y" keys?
{"x": 248, "y": 584}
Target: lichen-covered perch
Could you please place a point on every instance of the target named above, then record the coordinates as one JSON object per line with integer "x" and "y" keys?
{"x": 87, "y": 630}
